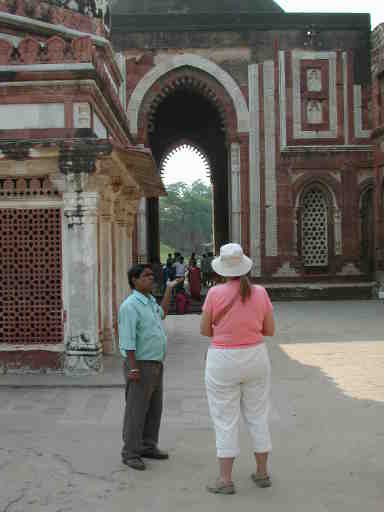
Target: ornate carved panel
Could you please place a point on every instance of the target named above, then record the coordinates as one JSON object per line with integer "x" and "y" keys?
{"x": 30, "y": 276}
{"x": 314, "y": 229}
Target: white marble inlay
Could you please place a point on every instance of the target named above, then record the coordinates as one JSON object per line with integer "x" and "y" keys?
{"x": 298, "y": 133}
{"x": 345, "y": 88}
{"x": 270, "y": 159}
{"x": 32, "y": 116}
{"x": 99, "y": 127}
{"x": 360, "y": 133}
{"x": 111, "y": 79}
{"x": 314, "y": 112}
{"x": 254, "y": 169}
{"x": 82, "y": 115}
{"x": 283, "y": 100}
{"x": 314, "y": 82}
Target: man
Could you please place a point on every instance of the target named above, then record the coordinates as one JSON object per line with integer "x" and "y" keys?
{"x": 179, "y": 267}
{"x": 143, "y": 345}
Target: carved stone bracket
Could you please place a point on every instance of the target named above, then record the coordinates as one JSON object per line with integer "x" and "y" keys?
{"x": 125, "y": 207}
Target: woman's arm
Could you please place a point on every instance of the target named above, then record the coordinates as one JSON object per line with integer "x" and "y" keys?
{"x": 269, "y": 325}
{"x": 206, "y": 324}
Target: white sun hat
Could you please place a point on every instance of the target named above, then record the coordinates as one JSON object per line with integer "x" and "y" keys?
{"x": 232, "y": 262}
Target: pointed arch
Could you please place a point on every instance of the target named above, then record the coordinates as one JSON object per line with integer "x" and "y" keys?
{"x": 194, "y": 61}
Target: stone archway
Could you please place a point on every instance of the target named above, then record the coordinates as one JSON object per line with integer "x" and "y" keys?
{"x": 188, "y": 103}
{"x": 196, "y": 62}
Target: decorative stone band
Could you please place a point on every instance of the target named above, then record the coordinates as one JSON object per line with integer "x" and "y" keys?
{"x": 11, "y": 188}
{"x": 82, "y": 15}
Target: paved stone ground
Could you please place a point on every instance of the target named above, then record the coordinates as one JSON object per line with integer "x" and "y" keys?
{"x": 59, "y": 447}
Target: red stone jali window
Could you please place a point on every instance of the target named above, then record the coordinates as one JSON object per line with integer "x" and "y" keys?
{"x": 30, "y": 276}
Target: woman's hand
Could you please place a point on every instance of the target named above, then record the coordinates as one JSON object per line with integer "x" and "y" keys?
{"x": 269, "y": 325}
{"x": 206, "y": 325}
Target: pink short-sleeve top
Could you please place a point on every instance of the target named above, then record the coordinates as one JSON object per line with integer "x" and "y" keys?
{"x": 242, "y": 325}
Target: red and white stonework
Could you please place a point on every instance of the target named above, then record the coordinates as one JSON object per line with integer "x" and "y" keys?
{"x": 71, "y": 177}
{"x": 378, "y": 139}
{"x": 295, "y": 110}
{"x": 283, "y": 108}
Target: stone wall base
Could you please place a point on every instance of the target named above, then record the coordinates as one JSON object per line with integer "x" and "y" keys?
{"x": 31, "y": 361}
{"x": 79, "y": 363}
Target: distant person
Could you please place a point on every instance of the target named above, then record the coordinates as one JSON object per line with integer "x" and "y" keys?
{"x": 180, "y": 267}
{"x": 143, "y": 343}
{"x": 170, "y": 259}
{"x": 194, "y": 279}
{"x": 169, "y": 274}
{"x": 192, "y": 260}
{"x": 182, "y": 301}
{"x": 237, "y": 316}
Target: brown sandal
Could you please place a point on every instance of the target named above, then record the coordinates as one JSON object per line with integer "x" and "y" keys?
{"x": 262, "y": 481}
{"x": 220, "y": 487}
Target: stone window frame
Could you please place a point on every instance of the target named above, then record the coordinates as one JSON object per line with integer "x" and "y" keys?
{"x": 334, "y": 223}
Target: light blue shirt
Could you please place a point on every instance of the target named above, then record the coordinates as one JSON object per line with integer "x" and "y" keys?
{"x": 141, "y": 328}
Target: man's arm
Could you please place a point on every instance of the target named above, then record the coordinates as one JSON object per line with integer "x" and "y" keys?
{"x": 127, "y": 340}
{"x": 134, "y": 370}
{"x": 168, "y": 293}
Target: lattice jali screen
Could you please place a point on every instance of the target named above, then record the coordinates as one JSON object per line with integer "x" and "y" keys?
{"x": 314, "y": 229}
{"x": 30, "y": 276}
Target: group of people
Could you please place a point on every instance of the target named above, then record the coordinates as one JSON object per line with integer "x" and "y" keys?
{"x": 236, "y": 317}
{"x": 175, "y": 267}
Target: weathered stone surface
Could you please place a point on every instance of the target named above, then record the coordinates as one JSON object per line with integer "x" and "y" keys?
{"x": 60, "y": 447}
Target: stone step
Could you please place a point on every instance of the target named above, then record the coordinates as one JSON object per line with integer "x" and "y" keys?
{"x": 302, "y": 291}
{"x": 321, "y": 291}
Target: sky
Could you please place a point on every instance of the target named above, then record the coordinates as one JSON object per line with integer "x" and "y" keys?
{"x": 373, "y": 7}
{"x": 187, "y": 166}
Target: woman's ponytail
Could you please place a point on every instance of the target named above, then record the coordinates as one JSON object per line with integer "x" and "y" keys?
{"x": 245, "y": 288}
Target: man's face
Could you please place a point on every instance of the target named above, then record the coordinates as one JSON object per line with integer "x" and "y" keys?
{"x": 144, "y": 282}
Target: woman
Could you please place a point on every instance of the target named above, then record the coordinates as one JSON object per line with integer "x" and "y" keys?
{"x": 194, "y": 278}
{"x": 237, "y": 315}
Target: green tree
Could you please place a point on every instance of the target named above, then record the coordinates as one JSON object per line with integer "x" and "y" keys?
{"x": 186, "y": 217}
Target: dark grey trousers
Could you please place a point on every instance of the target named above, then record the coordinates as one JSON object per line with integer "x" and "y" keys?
{"x": 143, "y": 408}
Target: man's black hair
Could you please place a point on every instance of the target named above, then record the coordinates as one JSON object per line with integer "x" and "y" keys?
{"x": 135, "y": 272}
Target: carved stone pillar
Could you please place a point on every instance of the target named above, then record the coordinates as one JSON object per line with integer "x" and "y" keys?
{"x": 105, "y": 255}
{"x": 236, "y": 193}
{"x": 82, "y": 345}
{"x": 295, "y": 251}
{"x": 83, "y": 354}
{"x": 142, "y": 246}
{"x": 337, "y": 222}
{"x": 122, "y": 258}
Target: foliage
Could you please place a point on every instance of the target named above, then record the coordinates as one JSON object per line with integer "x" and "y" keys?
{"x": 186, "y": 217}
{"x": 164, "y": 251}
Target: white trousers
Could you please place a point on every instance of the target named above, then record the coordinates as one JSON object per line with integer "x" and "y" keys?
{"x": 238, "y": 382}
